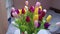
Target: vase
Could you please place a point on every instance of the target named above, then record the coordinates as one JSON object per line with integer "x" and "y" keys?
{"x": 42, "y": 31}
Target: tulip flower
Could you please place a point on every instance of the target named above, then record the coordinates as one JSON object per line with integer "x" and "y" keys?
{"x": 38, "y": 4}
{"x": 26, "y": 2}
{"x": 17, "y": 11}
{"x": 45, "y": 10}
{"x": 14, "y": 12}
{"x": 40, "y": 7}
{"x": 39, "y": 11}
{"x": 39, "y": 24}
{"x": 48, "y": 18}
{"x": 27, "y": 19}
{"x": 20, "y": 11}
{"x": 40, "y": 18}
{"x": 31, "y": 9}
{"x": 25, "y": 32}
{"x": 46, "y": 25}
{"x": 12, "y": 9}
{"x": 23, "y": 11}
{"x": 36, "y": 10}
{"x": 42, "y": 13}
{"x": 26, "y": 8}
{"x": 35, "y": 17}
{"x": 36, "y": 23}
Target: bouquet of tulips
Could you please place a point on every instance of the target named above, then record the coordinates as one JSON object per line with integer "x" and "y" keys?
{"x": 31, "y": 19}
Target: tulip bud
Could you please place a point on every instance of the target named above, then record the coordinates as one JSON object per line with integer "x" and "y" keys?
{"x": 46, "y": 25}
{"x": 20, "y": 11}
{"x": 27, "y": 19}
{"x": 13, "y": 9}
{"x": 40, "y": 8}
{"x": 25, "y": 32}
{"x": 17, "y": 11}
{"x": 48, "y": 18}
{"x": 14, "y": 14}
{"x": 42, "y": 13}
{"x": 39, "y": 24}
{"x": 31, "y": 9}
{"x": 40, "y": 18}
{"x": 36, "y": 23}
{"x": 39, "y": 11}
{"x": 35, "y": 17}
{"x": 38, "y": 4}
{"x": 23, "y": 11}
{"x": 26, "y": 8}
{"x": 36, "y": 11}
{"x": 45, "y": 10}
{"x": 26, "y": 2}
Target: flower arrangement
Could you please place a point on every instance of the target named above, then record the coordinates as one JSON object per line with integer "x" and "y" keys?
{"x": 31, "y": 19}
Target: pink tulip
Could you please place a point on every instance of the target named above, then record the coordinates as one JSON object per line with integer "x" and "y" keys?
{"x": 26, "y": 2}
{"x": 38, "y": 4}
{"x": 14, "y": 12}
{"x": 36, "y": 23}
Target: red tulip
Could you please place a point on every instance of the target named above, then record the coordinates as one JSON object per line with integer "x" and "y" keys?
{"x": 42, "y": 13}
{"x": 23, "y": 11}
{"x": 27, "y": 19}
{"x": 40, "y": 17}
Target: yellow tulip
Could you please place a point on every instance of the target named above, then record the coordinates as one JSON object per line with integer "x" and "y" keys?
{"x": 36, "y": 10}
{"x": 35, "y": 17}
{"x": 20, "y": 11}
{"x": 48, "y": 18}
{"x": 40, "y": 7}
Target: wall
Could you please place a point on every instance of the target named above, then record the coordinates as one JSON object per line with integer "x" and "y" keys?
{"x": 3, "y": 17}
{"x": 20, "y": 3}
{"x": 55, "y": 4}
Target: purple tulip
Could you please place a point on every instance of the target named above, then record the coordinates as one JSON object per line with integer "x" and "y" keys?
{"x": 46, "y": 25}
{"x": 39, "y": 11}
{"x": 39, "y": 24}
{"x": 17, "y": 11}
{"x": 31, "y": 9}
{"x": 14, "y": 12}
